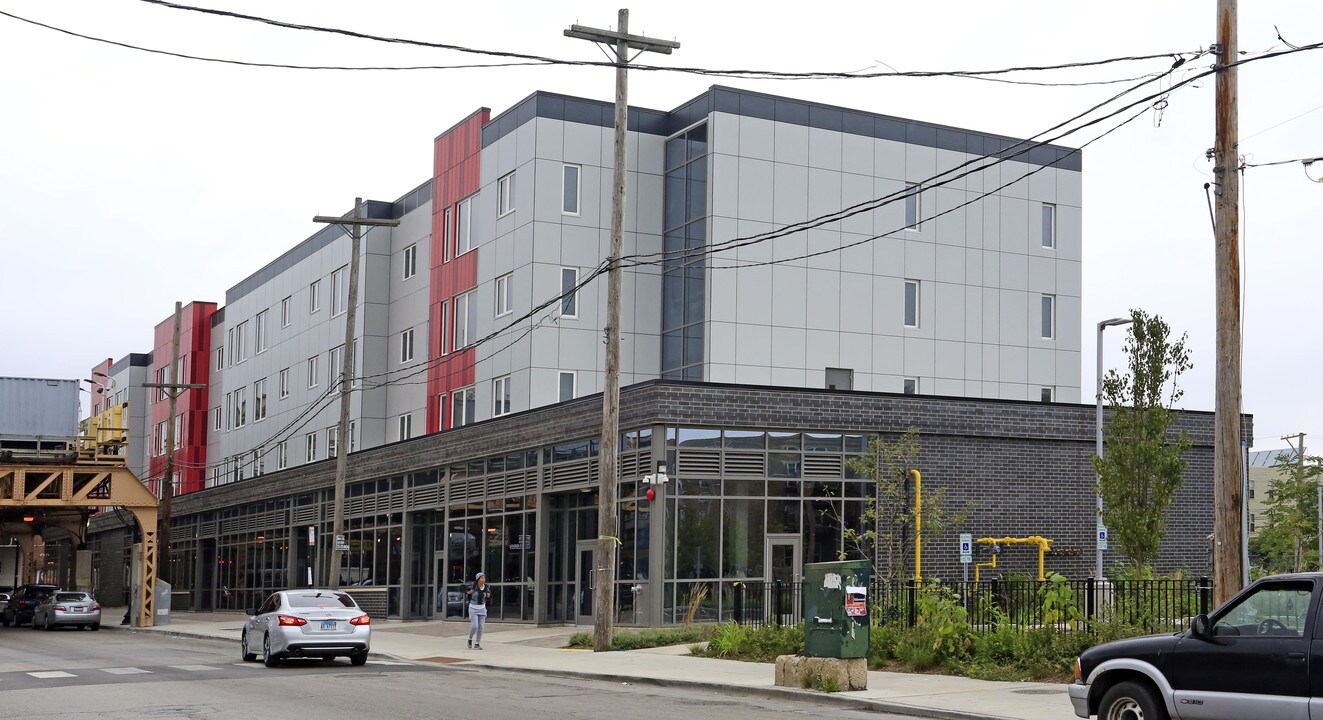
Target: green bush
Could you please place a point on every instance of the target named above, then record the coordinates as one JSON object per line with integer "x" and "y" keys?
{"x": 763, "y": 644}
{"x": 883, "y": 641}
{"x": 649, "y": 638}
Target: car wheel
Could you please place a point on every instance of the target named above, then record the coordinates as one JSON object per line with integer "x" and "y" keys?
{"x": 94, "y": 626}
{"x": 243, "y": 648}
{"x": 33, "y": 623}
{"x": 269, "y": 658}
{"x": 1131, "y": 701}
{"x": 358, "y": 659}
{"x": 4, "y": 620}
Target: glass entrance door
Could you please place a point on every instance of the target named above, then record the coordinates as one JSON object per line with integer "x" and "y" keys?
{"x": 785, "y": 562}
{"x": 584, "y": 582}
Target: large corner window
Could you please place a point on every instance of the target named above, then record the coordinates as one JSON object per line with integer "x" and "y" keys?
{"x": 684, "y": 280}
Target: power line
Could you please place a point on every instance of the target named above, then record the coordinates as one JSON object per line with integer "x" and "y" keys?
{"x": 762, "y": 74}
{"x": 688, "y": 254}
{"x": 1306, "y": 161}
{"x": 249, "y": 63}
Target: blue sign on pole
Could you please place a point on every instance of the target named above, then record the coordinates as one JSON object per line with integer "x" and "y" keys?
{"x": 1102, "y": 538}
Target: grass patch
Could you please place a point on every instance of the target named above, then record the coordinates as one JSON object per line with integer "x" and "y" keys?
{"x": 763, "y": 644}
{"x": 649, "y": 638}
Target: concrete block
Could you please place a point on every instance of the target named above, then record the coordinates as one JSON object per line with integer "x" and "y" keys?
{"x": 827, "y": 674}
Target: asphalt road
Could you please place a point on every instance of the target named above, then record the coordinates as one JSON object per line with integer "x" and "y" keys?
{"x": 81, "y": 674}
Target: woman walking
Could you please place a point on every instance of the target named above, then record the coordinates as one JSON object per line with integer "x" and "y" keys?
{"x": 478, "y": 594}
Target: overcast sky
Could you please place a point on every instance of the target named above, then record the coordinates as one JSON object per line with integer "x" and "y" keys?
{"x": 129, "y": 181}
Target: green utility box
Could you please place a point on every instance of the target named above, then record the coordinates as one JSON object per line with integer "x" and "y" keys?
{"x": 836, "y": 619}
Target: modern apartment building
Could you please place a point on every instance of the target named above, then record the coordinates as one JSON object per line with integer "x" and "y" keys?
{"x": 118, "y": 417}
{"x": 798, "y": 277}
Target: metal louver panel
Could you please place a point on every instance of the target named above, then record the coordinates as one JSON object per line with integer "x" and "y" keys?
{"x": 823, "y": 466}
{"x": 745, "y": 464}
{"x": 305, "y": 514}
{"x": 564, "y": 474}
{"x": 698, "y": 462}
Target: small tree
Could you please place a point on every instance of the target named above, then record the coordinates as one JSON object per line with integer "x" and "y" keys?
{"x": 1140, "y": 471}
{"x": 1287, "y": 540}
{"x": 886, "y": 524}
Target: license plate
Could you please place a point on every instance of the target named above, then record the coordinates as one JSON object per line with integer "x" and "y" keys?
{"x": 78, "y": 609}
{"x": 328, "y": 624}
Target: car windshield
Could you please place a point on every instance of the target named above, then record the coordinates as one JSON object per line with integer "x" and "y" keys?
{"x": 320, "y": 600}
{"x": 70, "y": 597}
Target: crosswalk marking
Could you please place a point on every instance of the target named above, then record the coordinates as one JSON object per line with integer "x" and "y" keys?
{"x": 48, "y": 674}
{"x": 126, "y": 671}
{"x": 194, "y": 668}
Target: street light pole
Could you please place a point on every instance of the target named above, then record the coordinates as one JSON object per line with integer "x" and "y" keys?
{"x": 1098, "y": 450}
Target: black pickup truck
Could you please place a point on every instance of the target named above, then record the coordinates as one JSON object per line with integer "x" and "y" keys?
{"x": 1257, "y": 657}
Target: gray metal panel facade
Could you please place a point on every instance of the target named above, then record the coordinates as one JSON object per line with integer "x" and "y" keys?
{"x": 38, "y": 407}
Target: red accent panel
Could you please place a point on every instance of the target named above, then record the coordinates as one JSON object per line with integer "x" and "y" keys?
{"x": 456, "y": 174}
{"x": 192, "y": 406}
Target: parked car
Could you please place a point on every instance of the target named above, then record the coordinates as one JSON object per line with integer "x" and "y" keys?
{"x": 1253, "y": 657}
{"x": 25, "y": 598}
{"x": 307, "y": 623}
{"x": 78, "y": 609}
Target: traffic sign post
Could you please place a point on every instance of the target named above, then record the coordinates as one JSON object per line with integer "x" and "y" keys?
{"x": 966, "y": 553}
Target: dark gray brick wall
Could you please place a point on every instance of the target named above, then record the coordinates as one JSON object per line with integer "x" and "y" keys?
{"x": 1023, "y": 466}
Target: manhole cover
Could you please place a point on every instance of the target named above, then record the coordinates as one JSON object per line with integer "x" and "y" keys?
{"x": 1038, "y": 691}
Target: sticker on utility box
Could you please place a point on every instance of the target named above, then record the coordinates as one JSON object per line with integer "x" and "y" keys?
{"x": 856, "y": 601}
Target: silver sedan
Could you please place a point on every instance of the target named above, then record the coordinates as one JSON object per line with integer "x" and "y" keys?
{"x": 77, "y": 609}
{"x": 307, "y": 623}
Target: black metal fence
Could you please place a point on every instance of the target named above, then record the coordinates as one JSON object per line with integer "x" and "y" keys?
{"x": 1155, "y": 605}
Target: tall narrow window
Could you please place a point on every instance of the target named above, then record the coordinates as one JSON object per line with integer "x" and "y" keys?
{"x": 312, "y": 371}
{"x": 240, "y": 350}
{"x": 332, "y": 440}
{"x": 282, "y": 455}
{"x": 569, "y": 296}
{"x": 1049, "y": 225}
{"x": 912, "y": 207}
{"x": 229, "y": 408}
{"x": 406, "y": 345}
{"x": 505, "y": 195}
{"x": 464, "y": 227}
{"x": 567, "y": 378}
{"x": 339, "y": 291}
{"x": 911, "y": 386}
{"x": 216, "y": 418}
{"x": 406, "y": 426}
{"x": 461, "y": 407}
{"x": 1049, "y": 317}
{"x": 335, "y": 364}
{"x": 261, "y": 332}
{"x": 220, "y": 358}
{"x": 912, "y": 303}
{"x": 410, "y": 261}
{"x": 501, "y": 396}
{"x": 310, "y": 447}
{"x": 241, "y": 407}
{"x": 466, "y": 312}
{"x": 285, "y": 313}
{"x": 284, "y": 383}
{"x": 440, "y": 411}
{"x": 315, "y": 296}
{"x": 229, "y": 343}
{"x": 444, "y": 340}
{"x": 448, "y": 235}
{"x": 353, "y": 433}
{"x": 569, "y": 204}
{"x": 259, "y": 400}
{"x": 504, "y": 295}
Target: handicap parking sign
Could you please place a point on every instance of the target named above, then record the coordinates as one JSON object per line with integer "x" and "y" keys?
{"x": 1102, "y": 538}
{"x": 966, "y": 547}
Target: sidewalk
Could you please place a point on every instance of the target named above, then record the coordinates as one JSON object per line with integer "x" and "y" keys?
{"x": 542, "y": 650}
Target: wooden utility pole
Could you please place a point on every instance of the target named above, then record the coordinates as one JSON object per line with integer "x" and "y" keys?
{"x": 605, "y": 558}
{"x": 356, "y": 224}
{"x": 172, "y": 388}
{"x": 1226, "y": 434}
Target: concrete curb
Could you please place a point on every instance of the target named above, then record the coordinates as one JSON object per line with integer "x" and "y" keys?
{"x": 844, "y": 700}
{"x": 772, "y": 692}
